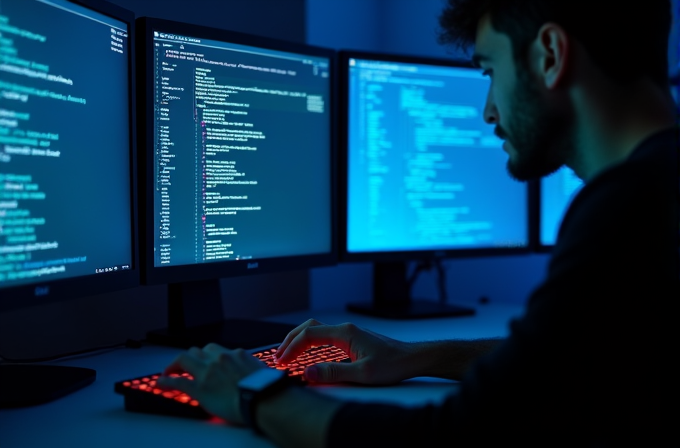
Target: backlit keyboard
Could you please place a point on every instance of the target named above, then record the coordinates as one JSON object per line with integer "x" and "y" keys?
{"x": 142, "y": 395}
{"x": 315, "y": 355}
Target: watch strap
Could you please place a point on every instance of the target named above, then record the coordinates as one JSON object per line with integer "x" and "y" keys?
{"x": 249, "y": 397}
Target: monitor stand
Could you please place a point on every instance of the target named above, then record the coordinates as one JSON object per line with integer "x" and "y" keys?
{"x": 195, "y": 318}
{"x": 392, "y": 297}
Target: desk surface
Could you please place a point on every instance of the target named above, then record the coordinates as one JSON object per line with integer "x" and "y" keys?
{"x": 94, "y": 416}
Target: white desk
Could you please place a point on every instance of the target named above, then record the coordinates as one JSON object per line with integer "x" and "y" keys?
{"x": 94, "y": 417}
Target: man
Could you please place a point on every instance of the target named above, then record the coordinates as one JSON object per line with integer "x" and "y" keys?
{"x": 590, "y": 363}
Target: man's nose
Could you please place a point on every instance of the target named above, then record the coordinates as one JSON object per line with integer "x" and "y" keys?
{"x": 490, "y": 111}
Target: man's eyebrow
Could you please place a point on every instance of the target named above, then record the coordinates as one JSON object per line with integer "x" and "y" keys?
{"x": 478, "y": 58}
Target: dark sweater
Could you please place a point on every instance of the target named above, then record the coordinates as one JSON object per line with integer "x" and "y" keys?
{"x": 592, "y": 361}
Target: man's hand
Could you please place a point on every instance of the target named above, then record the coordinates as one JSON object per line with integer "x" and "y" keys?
{"x": 216, "y": 371}
{"x": 376, "y": 359}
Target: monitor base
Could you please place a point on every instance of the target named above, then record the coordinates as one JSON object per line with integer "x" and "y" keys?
{"x": 230, "y": 333}
{"x": 414, "y": 309}
{"x": 32, "y": 384}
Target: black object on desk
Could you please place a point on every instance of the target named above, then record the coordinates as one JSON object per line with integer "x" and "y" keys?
{"x": 31, "y": 384}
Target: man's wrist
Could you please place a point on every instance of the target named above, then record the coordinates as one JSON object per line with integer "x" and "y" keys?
{"x": 256, "y": 387}
{"x": 285, "y": 416}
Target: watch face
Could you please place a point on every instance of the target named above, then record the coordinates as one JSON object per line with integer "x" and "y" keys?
{"x": 261, "y": 379}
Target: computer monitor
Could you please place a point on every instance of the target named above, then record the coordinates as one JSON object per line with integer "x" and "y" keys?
{"x": 238, "y": 171}
{"x": 67, "y": 165}
{"x": 555, "y": 193}
{"x": 422, "y": 176}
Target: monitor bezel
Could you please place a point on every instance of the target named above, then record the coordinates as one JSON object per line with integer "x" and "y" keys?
{"x": 219, "y": 269}
{"x": 43, "y": 292}
{"x": 539, "y": 246}
{"x": 343, "y": 156}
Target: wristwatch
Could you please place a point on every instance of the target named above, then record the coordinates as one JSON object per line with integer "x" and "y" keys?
{"x": 259, "y": 384}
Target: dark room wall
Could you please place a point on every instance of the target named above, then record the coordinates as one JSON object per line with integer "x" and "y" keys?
{"x": 674, "y": 47}
{"x": 112, "y": 318}
{"x": 281, "y": 19}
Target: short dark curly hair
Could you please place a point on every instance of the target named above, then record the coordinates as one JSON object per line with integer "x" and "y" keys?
{"x": 628, "y": 40}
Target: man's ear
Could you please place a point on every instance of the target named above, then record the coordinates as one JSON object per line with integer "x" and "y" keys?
{"x": 552, "y": 55}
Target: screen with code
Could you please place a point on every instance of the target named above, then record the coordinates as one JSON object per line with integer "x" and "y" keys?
{"x": 65, "y": 177}
{"x": 425, "y": 172}
{"x": 242, "y": 165}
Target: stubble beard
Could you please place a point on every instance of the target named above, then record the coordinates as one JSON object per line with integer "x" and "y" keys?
{"x": 539, "y": 132}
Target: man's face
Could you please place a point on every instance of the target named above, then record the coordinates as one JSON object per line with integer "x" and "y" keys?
{"x": 535, "y": 132}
